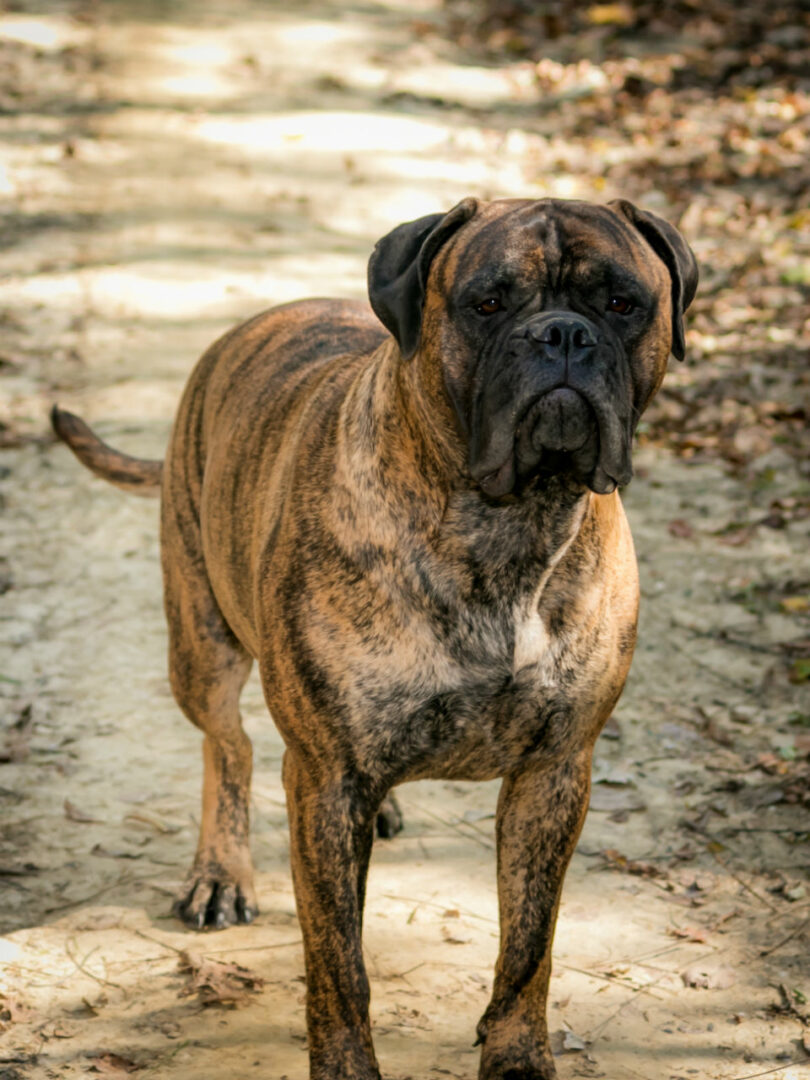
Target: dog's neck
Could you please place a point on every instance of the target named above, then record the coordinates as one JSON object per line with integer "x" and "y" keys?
{"x": 395, "y": 429}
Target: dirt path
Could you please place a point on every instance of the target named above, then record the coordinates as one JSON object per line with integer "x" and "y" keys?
{"x": 165, "y": 177}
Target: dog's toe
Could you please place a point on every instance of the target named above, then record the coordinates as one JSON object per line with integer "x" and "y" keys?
{"x": 212, "y": 905}
{"x": 223, "y": 907}
{"x": 245, "y": 912}
{"x": 193, "y": 906}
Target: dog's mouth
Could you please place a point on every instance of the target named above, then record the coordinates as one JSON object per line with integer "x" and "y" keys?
{"x": 561, "y": 431}
{"x": 560, "y": 420}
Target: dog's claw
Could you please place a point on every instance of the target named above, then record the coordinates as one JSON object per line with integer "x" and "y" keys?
{"x": 209, "y": 905}
{"x": 245, "y": 913}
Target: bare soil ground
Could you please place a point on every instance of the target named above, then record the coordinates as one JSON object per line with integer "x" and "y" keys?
{"x": 168, "y": 169}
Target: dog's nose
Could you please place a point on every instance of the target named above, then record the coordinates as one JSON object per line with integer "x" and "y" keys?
{"x": 562, "y": 337}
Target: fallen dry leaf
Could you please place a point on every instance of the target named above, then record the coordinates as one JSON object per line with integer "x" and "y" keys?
{"x": 56, "y": 1029}
{"x": 736, "y": 537}
{"x": 614, "y": 860}
{"x": 217, "y": 982}
{"x": 681, "y": 528}
{"x": 610, "y": 14}
{"x": 403, "y": 1017}
{"x": 607, "y": 799}
{"x": 565, "y": 1041}
{"x": 772, "y": 764}
{"x": 140, "y": 817}
{"x": 13, "y": 1011}
{"x": 689, "y": 933}
{"x": 453, "y": 939}
{"x": 697, "y": 881}
{"x": 703, "y": 977}
{"x": 109, "y": 1064}
{"x": 795, "y": 605}
{"x": 73, "y": 813}
{"x": 86, "y": 1011}
{"x": 573, "y": 1043}
{"x": 795, "y": 892}
{"x": 102, "y": 852}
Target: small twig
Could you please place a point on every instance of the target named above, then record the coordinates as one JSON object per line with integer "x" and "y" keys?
{"x": 794, "y": 909}
{"x": 595, "y": 1032}
{"x": 17, "y": 885}
{"x": 407, "y": 971}
{"x": 789, "y": 1007}
{"x": 784, "y": 941}
{"x": 769, "y": 1072}
{"x": 167, "y": 1055}
{"x": 657, "y": 952}
{"x": 636, "y": 990}
{"x": 773, "y": 832}
{"x": 157, "y": 941}
{"x": 125, "y": 880}
{"x": 80, "y": 964}
{"x": 719, "y": 675}
{"x": 476, "y": 834}
{"x": 254, "y": 948}
{"x": 93, "y": 617}
{"x": 743, "y": 883}
{"x": 216, "y": 952}
{"x": 439, "y": 907}
{"x": 613, "y": 980}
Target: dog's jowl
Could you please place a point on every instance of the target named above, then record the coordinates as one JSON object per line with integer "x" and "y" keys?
{"x": 408, "y": 516}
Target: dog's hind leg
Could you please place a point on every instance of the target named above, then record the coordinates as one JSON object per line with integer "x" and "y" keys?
{"x": 389, "y": 817}
{"x": 208, "y": 668}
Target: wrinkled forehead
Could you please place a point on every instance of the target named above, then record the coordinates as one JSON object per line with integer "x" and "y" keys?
{"x": 520, "y": 238}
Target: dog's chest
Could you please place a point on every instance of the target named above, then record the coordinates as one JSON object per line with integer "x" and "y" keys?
{"x": 466, "y": 704}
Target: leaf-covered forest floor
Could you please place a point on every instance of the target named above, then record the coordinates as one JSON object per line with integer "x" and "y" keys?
{"x": 169, "y": 168}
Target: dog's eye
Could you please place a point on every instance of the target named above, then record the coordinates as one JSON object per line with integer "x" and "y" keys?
{"x": 489, "y": 306}
{"x": 620, "y": 304}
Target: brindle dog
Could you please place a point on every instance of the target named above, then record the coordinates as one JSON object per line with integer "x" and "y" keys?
{"x": 416, "y": 532}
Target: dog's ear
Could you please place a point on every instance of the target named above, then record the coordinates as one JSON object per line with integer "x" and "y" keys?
{"x": 398, "y": 270}
{"x": 675, "y": 253}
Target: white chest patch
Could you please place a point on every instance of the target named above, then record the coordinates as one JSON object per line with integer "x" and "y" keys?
{"x": 534, "y": 646}
{"x": 532, "y": 640}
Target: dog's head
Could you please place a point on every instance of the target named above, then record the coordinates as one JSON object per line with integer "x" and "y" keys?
{"x": 550, "y": 322}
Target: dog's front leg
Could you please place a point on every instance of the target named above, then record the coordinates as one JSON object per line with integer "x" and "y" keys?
{"x": 331, "y": 831}
{"x": 540, "y": 814}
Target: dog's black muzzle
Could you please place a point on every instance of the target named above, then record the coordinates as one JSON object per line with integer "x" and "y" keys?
{"x": 560, "y": 400}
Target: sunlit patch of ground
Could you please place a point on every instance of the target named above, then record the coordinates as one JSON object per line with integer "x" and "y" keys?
{"x": 167, "y": 171}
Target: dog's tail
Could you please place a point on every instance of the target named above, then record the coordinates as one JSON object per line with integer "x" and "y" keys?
{"x": 138, "y": 475}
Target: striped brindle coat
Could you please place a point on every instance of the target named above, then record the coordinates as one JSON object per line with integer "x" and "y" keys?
{"x": 411, "y": 522}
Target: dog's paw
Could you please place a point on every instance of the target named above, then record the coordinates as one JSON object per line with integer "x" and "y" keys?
{"x": 207, "y": 904}
{"x": 513, "y": 1051}
{"x": 519, "y": 1072}
{"x": 531, "y": 1064}
{"x": 389, "y": 818}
